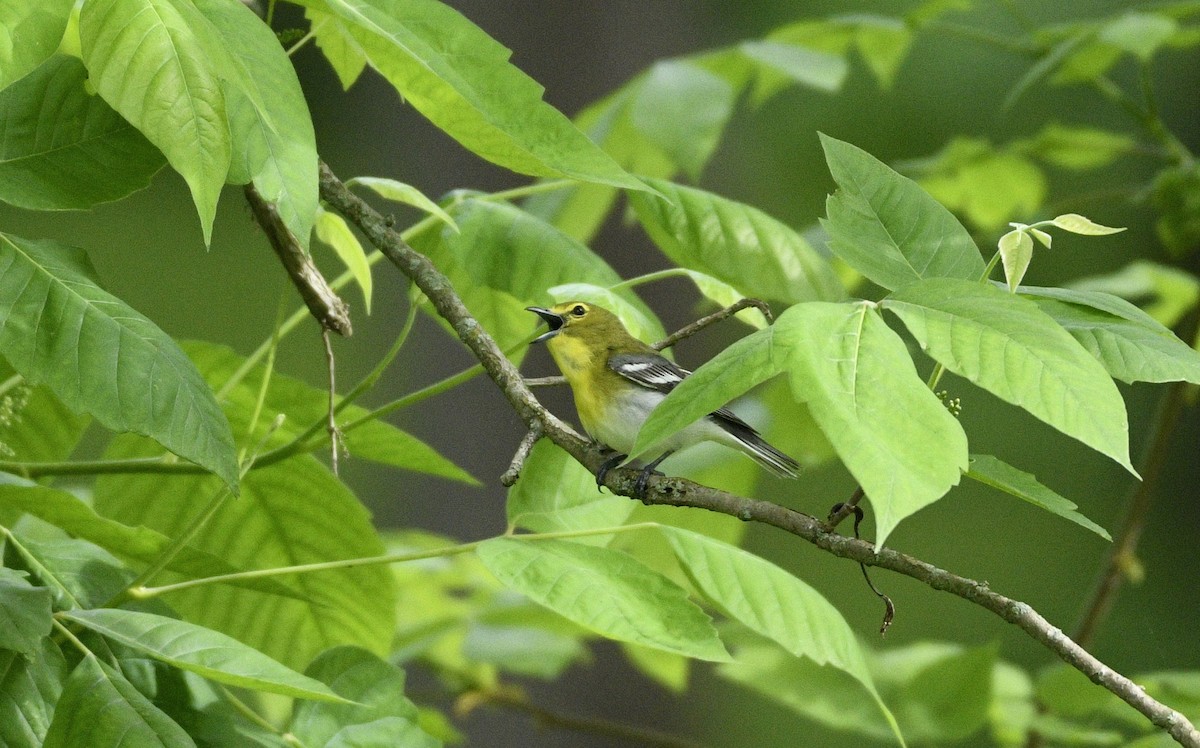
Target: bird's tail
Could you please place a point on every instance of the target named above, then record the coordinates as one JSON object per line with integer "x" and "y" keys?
{"x": 763, "y": 453}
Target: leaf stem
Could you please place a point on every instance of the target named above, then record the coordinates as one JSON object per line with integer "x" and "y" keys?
{"x": 143, "y": 593}
{"x": 11, "y": 383}
{"x": 66, "y": 632}
{"x": 300, "y": 43}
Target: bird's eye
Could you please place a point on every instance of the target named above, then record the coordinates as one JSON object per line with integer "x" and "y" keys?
{"x": 579, "y": 310}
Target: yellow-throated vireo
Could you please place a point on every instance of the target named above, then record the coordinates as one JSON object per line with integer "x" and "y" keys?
{"x": 617, "y": 380}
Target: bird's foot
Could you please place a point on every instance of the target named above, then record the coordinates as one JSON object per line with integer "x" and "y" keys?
{"x": 609, "y": 464}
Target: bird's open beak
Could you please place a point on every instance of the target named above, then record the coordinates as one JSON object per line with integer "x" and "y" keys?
{"x": 550, "y": 318}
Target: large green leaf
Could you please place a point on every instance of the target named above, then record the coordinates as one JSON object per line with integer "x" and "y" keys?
{"x": 154, "y": 66}
{"x": 736, "y": 243}
{"x": 773, "y": 603}
{"x": 29, "y": 35}
{"x": 503, "y": 259}
{"x": 555, "y": 493}
{"x": 338, "y": 46}
{"x": 273, "y": 141}
{"x": 102, "y": 357}
{"x": 203, "y": 651}
{"x": 1131, "y": 348}
{"x": 604, "y": 591}
{"x": 303, "y": 405}
{"x": 992, "y": 471}
{"x": 99, "y": 707}
{"x": 29, "y": 689}
{"x": 292, "y": 513}
{"x": 460, "y": 78}
{"x": 682, "y": 109}
{"x": 375, "y": 687}
{"x": 894, "y": 435}
{"x": 889, "y": 229}
{"x": 24, "y": 613}
{"x": 63, "y": 148}
{"x": 67, "y": 512}
{"x": 1008, "y": 346}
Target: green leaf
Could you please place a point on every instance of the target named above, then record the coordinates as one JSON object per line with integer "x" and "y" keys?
{"x": 825, "y": 695}
{"x": 78, "y": 573}
{"x": 1078, "y": 224}
{"x": 374, "y": 689}
{"x": 504, "y": 259}
{"x": 149, "y": 63}
{"x": 333, "y": 231}
{"x": 65, "y": 511}
{"x": 273, "y": 141}
{"x": 883, "y": 43}
{"x": 667, "y": 669}
{"x": 735, "y": 243}
{"x": 1016, "y": 250}
{"x": 24, "y": 613}
{"x": 391, "y": 189}
{"x": 29, "y": 35}
{"x": 773, "y": 603}
{"x": 338, "y": 46}
{"x": 725, "y": 295}
{"x": 199, "y": 650}
{"x": 1077, "y": 147}
{"x": 555, "y": 493}
{"x": 99, "y": 707}
{"x": 41, "y": 427}
{"x": 1008, "y": 346}
{"x": 988, "y": 188}
{"x": 888, "y": 228}
{"x": 947, "y": 698}
{"x": 993, "y": 472}
{"x": 456, "y": 75}
{"x": 726, "y": 376}
{"x": 1140, "y": 34}
{"x": 29, "y": 689}
{"x": 102, "y": 357}
{"x": 1131, "y": 350}
{"x": 800, "y": 64}
{"x": 65, "y": 149}
{"x": 304, "y": 405}
{"x": 894, "y": 435}
{"x": 524, "y": 650}
{"x": 295, "y": 512}
{"x": 682, "y": 109}
{"x": 604, "y": 591}
{"x": 1167, "y": 293}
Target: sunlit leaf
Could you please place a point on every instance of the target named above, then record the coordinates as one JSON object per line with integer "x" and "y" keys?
{"x": 1005, "y": 344}
{"x": 66, "y": 149}
{"x": 888, "y": 228}
{"x": 993, "y": 472}
{"x": 152, "y": 65}
{"x": 1078, "y": 224}
{"x": 400, "y": 192}
{"x": 605, "y": 591}
{"x": 452, "y": 72}
{"x": 338, "y": 46}
{"x": 29, "y": 35}
{"x": 200, "y": 650}
{"x": 1016, "y": 251}
{"x": 102, "y": 357}
{"x": 736, "y": 243}
{"x": 893, "y": 434}
{"x": 332, "y": 230}
{"x": 682, "y": 109}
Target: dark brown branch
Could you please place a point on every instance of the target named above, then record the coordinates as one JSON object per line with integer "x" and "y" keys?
{"x": 324, "y": 305}
{"x": 672, "y": 491}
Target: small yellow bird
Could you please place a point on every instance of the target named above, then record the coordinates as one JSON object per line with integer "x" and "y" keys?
{"x": 617, "y": 380}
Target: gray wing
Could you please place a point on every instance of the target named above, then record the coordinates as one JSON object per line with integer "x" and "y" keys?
{"x": 661, "y": 374}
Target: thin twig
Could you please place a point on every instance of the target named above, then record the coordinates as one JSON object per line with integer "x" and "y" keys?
{"x": 716, "y": 316}
{"x": 545, "y": 381}
{"x": 672, "y": 491}
{"x": 517, "y": 700}
{"x": 845, "y": 509}
{"x": 511, "y": 475}
{"x": 335, "y": 436}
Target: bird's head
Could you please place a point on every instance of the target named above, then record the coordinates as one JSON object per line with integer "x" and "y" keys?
{"x": 581, "y": 321}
